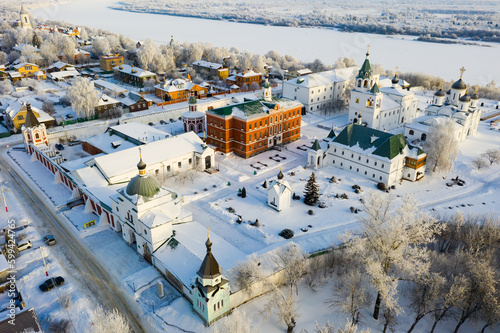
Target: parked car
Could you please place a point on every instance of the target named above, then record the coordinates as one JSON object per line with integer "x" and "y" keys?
{"x": 49, "y": 240}
{"x": 151, "y": 124}
{"x": 51, "y": 283}
{"x": 69, "y": 116}
{"x": 24, "y": 246}
{"x": 163, "y": 122}
{"x": 172, "y": 120}
{"x": 59, "y": 146}
{"x": 74, "y": 143}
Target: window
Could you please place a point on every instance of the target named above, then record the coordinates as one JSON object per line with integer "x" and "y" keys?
{"x": 357, "y": 100}
{"x": 190, "y": 161}
{"x": 365, "y": 173}
{"x": 373, "y": 175}
{"x": 341, "y": 163}
{"x": 352, "y": 155}
{"x": 359, "y": 158}
{"x": 168, "y": 168}
{"x": 350, "y": 168}
{"x": 260, "y": 123}
{"x": 357, "y": 169}
{"x": 250, "y": 126}
{"x": 375, "y": 163}
{"x": 380, "y": 178}
{"x": 20, "y": 117}
{"x": 382, "y": 166}
{"x": 179, "y": 164}
{"x": 145, "y": 232}
{"x": 411, "y": 132}
{"x": 342, "y": 153}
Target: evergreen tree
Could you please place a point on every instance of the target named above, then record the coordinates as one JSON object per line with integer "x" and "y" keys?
{"x": 243, "y": 193}
{"x": 36, "y": 40}
{"x": 311, "y": 193}
{"x": 265, "y": 184}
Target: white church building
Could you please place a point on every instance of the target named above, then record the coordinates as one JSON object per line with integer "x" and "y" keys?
{"x": 381, "y": 108}
{"x": 376, "y": 155}
{"x": 279, "y": 193}
{"x": 456, "y": 104}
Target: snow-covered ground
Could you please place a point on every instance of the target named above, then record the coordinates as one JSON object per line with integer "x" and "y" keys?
{"x": 208, "y": 197}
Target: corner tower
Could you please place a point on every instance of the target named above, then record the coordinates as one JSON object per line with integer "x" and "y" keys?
{"x": 34, "y": 133}
{"x": 210, "y": 291}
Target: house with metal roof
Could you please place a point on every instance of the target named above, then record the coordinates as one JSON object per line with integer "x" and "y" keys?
{"x": 134, "y": 75}
{"x": 377, "y": 155}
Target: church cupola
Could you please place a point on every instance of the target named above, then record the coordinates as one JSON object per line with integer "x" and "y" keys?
{"x": 210, "y": 271}
{"x": 143, "y": 184}
{"x": 438, "y": 97}
{"x": 395, "y": 80}
{"x": 34, "y": 132}
{"x": 464, "y": 103}
{"x": 474, "y": 99}
{"x": 267, "y": 91}
{"x": 458, "y": 89}
{"x": 192, "y": 103}
{"x": 280, "y": 174}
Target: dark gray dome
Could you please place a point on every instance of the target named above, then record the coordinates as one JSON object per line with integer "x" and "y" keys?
{"x": 395, "y": 79}
{"x": 448, "y": 92}
{"x": 460, "y": 84}
{"x": 464, "y": 98}
{"x": 439, "y": 93}
{"x": 475, "y": 96}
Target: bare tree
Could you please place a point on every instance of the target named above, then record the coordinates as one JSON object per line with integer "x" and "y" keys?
{"x": 480, "y": 162}
{"x": 83, "y": 97}
{"x": 389, "y": 241}
{"x": 6, "y": 87}
{"x": 441, "y": 146}
{"x": 236, "y": 322}
{"x": 349, "y": 327}
{"x": 101, "y": 47}
{"x": 492, "y": 155}
{"x": 108, "y": 321}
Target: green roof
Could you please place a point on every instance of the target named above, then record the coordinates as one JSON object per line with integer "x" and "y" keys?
{"x": 192, "y": 100}
{"x": 248, "y": 109}
{"x": 375, "y": 89}
{"x": 366, "y": 69}
{"x": 331, "y": 135}
{"x": 385, "y": 144}
{"x": 316, "y": 145}
{"x": 146, "y": 186}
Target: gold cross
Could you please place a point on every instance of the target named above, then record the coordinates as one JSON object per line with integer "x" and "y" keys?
{"x": 462, "y": 70}
{"x": 397, "y": 68}
{"x": 140, "y": 152}
{"x": 368, "y": 49}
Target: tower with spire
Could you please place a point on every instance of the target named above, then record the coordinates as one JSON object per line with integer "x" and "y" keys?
{"x": 34, "y": 132}
{"x": 193, "y": 120}
{"x": 25, "y": 18}
{"x": 210, "y": 290}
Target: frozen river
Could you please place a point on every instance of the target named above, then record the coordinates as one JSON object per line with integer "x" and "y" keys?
{"x": 444, "y": 60}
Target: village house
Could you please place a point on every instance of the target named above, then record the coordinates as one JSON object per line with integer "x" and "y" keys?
{"x": 251, "y": 127}
{"x": 110, "y": 61}
{"x": 179, "y": 90}
{"x": 105, "y": 103}
{"x": 133, "y": 75}
{"x": 246, "y": 80}
{"x": 377, "y": 155}
{"x": 16, "y": 113}
{"x": 212, "y": 69}
{"x": 26, "y": 70}
{"x": 134, "y": 102}
{"x": 299, "y": 72}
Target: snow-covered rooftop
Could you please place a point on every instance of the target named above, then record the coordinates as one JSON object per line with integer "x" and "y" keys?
{"x": 134, "y": 71}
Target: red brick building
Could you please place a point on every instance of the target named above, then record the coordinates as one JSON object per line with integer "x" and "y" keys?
{"x": 252, "y": 127}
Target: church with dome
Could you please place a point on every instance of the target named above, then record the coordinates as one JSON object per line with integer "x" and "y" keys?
{"x": 456, "y": 104}
{"x": 378, "y": 107}
{"x": 146, "y": 211}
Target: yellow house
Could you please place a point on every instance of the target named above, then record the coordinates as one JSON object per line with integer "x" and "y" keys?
{"x": 26, "y": 69}
{"x": 40, "y": 75}
{"x": 109, "y": 61}
{"x": 179, "y": 89}
{"x": 16, "y": 115}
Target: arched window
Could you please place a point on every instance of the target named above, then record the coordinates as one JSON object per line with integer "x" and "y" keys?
{"x": 423, "y": 137}
{"x": 411, "y": 132}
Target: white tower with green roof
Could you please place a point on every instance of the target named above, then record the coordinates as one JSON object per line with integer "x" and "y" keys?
{"x": 25, "y": 18}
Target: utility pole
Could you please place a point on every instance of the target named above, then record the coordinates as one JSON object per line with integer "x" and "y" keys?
{"x": 5, "y": 201}
{"x": 44, "y": 264}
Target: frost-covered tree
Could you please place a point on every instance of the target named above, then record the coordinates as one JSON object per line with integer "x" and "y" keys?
{"x": 350, "y": 294}
{"x": 83, "y": 97}
{"x": 311, "y": 191}
{"x": 292, "y": 262}
{"x": 108, "y": 321}
{"x": 492, "y": 155}
{"x": 391, "y": 245}
{"x": 100, "y": 46}
{"x": 29, "y": 53}
{"x": 236, "y": 322}
{"x": 344, "y": 62}
{"x": 66, "y": 47}
{"x": 441, "y": 146}
{"x": 150, "y": 57}
{"x": 349, "y": 327}
{"x": 5, "y": 87}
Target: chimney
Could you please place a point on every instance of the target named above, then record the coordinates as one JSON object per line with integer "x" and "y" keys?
{"x": 373, "y": 138}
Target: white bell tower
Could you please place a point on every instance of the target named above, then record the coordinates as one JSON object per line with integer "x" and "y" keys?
{"x": 25, "y": 18}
